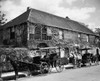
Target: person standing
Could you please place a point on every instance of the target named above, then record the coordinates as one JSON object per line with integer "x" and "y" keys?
{"x": 97, "y": 55}
{"x": 75, "y": 59}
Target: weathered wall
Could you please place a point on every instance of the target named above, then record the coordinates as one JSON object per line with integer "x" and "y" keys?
{"x": 15, "y": 35}
{"x": 56, "y": 34}
{"x": 1, "y": 37}
{"x": 84, "y": 38}
{"x": 71, "y": 37}
{"x": 21, "y": 35}
{"x": 37, "y": 35}
{"x": 92, "y": 39}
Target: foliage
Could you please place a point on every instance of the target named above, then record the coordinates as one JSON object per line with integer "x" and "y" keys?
{"x": 20, "y": 54}
{"x": 97, "y": 31}
{"x": 2, "y": 18}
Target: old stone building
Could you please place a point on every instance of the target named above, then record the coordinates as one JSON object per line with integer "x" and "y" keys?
{"x": 36, "y": 28}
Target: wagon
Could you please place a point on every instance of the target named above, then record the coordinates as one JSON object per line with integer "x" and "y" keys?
{"x": 52, "y": 60}
{"x": 86, "y": 57}
{"x": 38, "y": 64}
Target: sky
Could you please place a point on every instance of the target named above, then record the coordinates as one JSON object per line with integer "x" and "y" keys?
{"x": 85, "y": 11}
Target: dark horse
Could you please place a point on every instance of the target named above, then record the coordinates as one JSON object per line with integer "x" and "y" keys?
{"x": 19, "y": 66}
{"x": 25, "y": 66}
{"x": 95, "y": 59}
{"x": 86, "y": 58}
{"x": 14, "y": 65}
{"x": 51, "y": 59}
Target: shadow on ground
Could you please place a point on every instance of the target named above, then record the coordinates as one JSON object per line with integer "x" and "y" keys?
{"x": 12, "y": 77}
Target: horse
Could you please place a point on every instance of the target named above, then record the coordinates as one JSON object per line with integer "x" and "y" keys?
{"x": 86, "y": 58}
{"x": 19, "y": 66}
{"x": 94, "y": 59}
{"x": 98, "y": 58}
{"x": 54, "y": 61}
{"x": 51, "y": 59}
{"x": 14, "y": 64}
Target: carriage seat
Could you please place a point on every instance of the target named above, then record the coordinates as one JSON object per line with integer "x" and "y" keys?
{"x": 52, "y": 56}
{"x": 37, "y": 59}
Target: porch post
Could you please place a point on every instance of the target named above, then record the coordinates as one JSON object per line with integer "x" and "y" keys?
{"x": 1, "y": 71}
{"x": 59, "y": 51}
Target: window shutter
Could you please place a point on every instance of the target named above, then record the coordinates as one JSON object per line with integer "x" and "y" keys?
{"x": 49, "y": 33}
{"x": 32, "y": 29}
{"x": 60, "y": 35}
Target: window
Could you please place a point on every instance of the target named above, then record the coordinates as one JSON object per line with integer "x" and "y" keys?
{"x": 41, "y": 33}
{"x": 31, "y": 36}
{"x": 49, "y": 34}
{"x": 38, "y": 33}
{"x": 49, "y": 37}
{"x": 12, "y": 33}
{"x": 44, "y": 33}
{"x": 60, "y": 34}
{"x": 87, "y": 38}
{"x": 31, "y": 32}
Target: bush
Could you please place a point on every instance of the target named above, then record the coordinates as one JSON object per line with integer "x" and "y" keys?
{"x": 20, "y": 54}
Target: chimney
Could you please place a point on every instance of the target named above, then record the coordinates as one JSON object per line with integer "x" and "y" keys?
{"x": 67, "y": 17}
{"x": 28, "y": 8}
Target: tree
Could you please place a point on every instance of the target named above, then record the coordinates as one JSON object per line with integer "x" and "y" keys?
{"x": 2, "y": 18}
{"x": 97, "y": 32}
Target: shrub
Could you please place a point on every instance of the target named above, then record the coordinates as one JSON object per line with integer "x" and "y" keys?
{"x": 20, "y": 54}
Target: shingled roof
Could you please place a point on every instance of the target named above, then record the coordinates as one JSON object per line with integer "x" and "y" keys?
{"x": 18, "y": 20}
{"x": 36, "y": 16}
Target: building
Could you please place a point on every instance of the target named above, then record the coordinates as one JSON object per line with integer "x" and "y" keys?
{"x": 36, "y": 28}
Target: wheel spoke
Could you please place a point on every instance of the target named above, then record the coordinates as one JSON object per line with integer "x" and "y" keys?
{"x": 59, "y": 66}
{"x": 44, "y": 68}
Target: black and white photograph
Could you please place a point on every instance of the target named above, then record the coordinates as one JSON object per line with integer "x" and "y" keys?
{"x": 49, "y": 40}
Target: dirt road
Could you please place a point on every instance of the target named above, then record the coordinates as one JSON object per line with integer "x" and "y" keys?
{"x": 83, "y": 74}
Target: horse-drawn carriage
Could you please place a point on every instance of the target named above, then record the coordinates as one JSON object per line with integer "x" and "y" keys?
{"x": 41, "y": 64}
{"x": 81, "y": 57}
{"x": 52, "y": 59}
{"x": 88, "y": 57}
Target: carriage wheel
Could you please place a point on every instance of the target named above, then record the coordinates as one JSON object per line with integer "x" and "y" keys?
{"x": 79, "y": 63}
{"x": 44, "y": 68}
{"x": 90, "y": 63}
{"x": 59, "y": 66}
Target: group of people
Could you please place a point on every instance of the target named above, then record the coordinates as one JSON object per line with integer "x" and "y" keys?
{"x": 77, "y": 58}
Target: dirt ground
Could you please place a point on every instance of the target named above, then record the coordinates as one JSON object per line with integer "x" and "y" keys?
{"x": 91, "y": 73}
